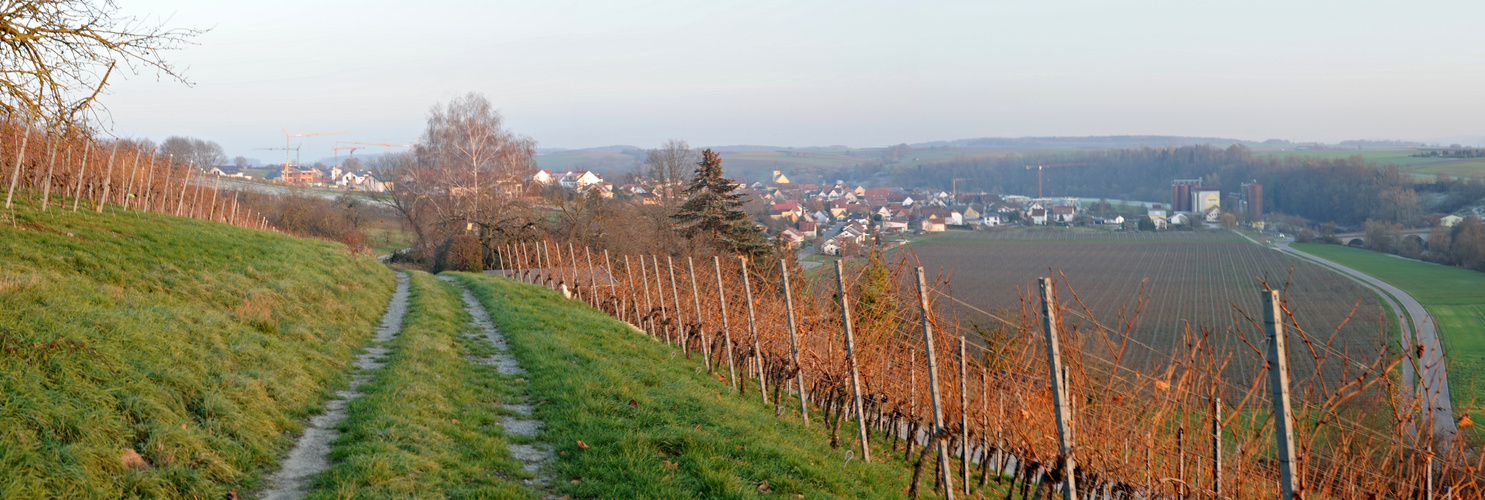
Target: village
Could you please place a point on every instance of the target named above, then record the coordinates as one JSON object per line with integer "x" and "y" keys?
{"x": 841, "y": 219}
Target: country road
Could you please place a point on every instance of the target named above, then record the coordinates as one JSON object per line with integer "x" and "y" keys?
{"x": 1432, "y": 362}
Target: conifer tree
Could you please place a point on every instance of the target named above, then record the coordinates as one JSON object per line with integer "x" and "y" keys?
{"x": 713, "y": 210}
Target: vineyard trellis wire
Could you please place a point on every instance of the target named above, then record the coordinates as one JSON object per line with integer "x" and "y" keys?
{"x": 130, "y": 179}
{"x": 1178, "y": 425}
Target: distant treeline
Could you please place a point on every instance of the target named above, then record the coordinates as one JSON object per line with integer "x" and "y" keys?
{"x": 1451, "y": 153}
{"x": 1347, "y": 191}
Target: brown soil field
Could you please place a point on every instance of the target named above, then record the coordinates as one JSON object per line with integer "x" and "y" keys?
{"x": 1204, "y": 279}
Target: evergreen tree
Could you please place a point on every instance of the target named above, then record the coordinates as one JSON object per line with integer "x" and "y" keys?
{"x": 713, "y": 210}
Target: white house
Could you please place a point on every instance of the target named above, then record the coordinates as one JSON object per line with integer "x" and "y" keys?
{"x": 933, "y": 225}
{"x": 1038, "y": 216}
{"x": 991, "y": 220}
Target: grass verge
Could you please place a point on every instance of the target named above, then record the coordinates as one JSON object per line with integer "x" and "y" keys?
{"x": 1454, "y": 297}
{"x": 198, "y": 346}
{"x": 628, "y": 418}
{"x": 427, "y": 424}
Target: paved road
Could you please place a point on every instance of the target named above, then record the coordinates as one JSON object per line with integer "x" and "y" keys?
{"x": 1432, "y": 363}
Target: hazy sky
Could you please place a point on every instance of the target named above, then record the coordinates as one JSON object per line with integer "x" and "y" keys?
{"x": 815, "y": 73}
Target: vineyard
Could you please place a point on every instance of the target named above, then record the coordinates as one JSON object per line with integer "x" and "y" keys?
{"x": 1209, "y": 279}
{"x": 1121, "y": 421}
{"x": 56, "y": 170}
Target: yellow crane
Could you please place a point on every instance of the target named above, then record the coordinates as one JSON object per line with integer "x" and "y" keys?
{"x": 1039, "y": 168}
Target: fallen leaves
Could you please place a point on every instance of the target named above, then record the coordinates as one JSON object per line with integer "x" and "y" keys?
{"x": 132, "y": 460}
{"x": 763, "y": 486}
{"x": 582, "y": 445}
{"x": 670, "y": 465}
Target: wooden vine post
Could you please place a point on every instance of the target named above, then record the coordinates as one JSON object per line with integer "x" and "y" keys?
{"x": 794, "y": 340}
{"x": 107, "y": 179}
{"x": 706, "y": 347}
{"x": 51, "y": 166}
{"x": 592, "y": 277}
{"x": 947, "y": 476}
{"x": 851, "y": 363}
{"x": 1278, "y": 381}
{"x": 753, "y": 327}
{"x": 20, "y": 158}
{"x": 82, "y": 171}
{"x": 726, "y": 334}
{"x": 660, "y": 292}
{"x": 675, "y": 300}
{"x": 1063, "y": 410}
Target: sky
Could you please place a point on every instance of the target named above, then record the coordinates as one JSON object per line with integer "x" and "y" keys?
{"x": 797, "y": 74}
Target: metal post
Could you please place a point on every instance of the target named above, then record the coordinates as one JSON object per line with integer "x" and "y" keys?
{"x": 1278, "y": 381}
{"x": 963, "y": 415}
{"x": 675, "y": 300}
{"x": 753, "y": 326}
{"x": 938, "y": 410}
{"x": 1217, "y": 446}
{"x": 794, "y": 340}
{"x": 1059, "y": 384}
{"x": 845, "y": 321}
{"x": 726, "y": 334}
{"x": 706, "y": 346}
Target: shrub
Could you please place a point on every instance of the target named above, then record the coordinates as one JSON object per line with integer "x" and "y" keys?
{"x": 459, "y": 253}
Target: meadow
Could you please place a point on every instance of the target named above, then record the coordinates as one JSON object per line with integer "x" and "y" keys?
{"x": 1472, "y": 167}
{"x": 1202, "y": 279}
{"x": 147, "y": 355}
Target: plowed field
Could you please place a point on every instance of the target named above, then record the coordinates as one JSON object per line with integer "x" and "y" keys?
{"x": 1206, "y": 278}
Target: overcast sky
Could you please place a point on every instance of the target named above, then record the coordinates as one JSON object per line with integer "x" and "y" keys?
{"x": 856, "y": 73}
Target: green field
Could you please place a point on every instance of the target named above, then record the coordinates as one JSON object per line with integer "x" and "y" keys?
{"x": 199, "y": 346}
{"x": 1454, "y": 297}
{"x": 1472, "y": 167}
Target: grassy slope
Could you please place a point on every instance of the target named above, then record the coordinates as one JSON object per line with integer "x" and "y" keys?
{"x": 685, "y": 437}
{"x": 200, "y": 345}
{"x": 427, "y": 424}
{"x": 1454, "y": 297}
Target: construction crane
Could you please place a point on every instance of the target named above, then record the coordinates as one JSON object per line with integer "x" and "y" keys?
{"x": 286, "y": 151}
{"x": 955, "y": 184}
{"x": 337, "y": 149}
{"x": 288, "y": 136}
{"x": 409, "y": 146}
{"x": 1039, "y": 168}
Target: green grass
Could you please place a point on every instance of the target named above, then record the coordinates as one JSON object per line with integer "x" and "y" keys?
{"x": 427, "y": 425}
{"x": 685, "y": 436}
{"x": 199, "y": 345}
{"x": 1454, "y": 297}
{"x": 385, "y": 241}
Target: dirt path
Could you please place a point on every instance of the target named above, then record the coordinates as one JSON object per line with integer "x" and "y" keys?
{"x": 311, "y": 451}
{"x": 534, "y": 455}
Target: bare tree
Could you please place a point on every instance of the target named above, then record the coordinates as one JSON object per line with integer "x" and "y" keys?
{"x": 479, "y": 163}
{"x": 669, "y": 168}
{"x": 202, "y": 153}
{"x": 56, "y": 56}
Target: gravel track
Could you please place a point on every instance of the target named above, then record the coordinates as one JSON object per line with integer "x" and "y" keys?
{"x": 310, "y": 454}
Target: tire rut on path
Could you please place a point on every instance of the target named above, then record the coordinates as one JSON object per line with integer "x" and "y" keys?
{"x": 310, "y": 454}
{"x": 536, "y": 455}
